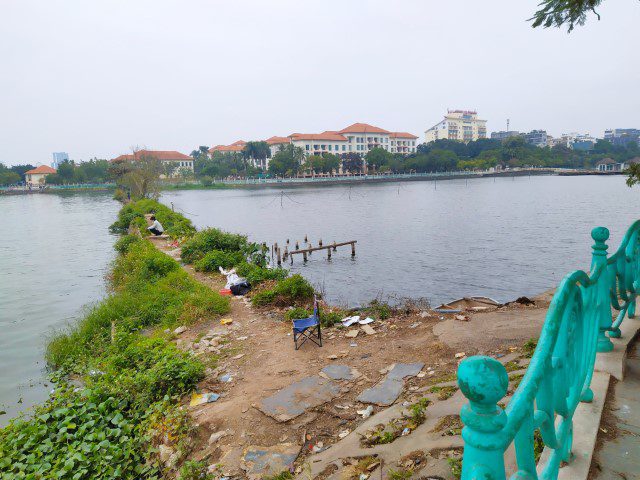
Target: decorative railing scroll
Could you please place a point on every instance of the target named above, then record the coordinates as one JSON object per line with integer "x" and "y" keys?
{"x": 559, "y": 375}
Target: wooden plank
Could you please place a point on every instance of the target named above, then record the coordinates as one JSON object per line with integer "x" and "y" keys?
{"x": 324, "y": 247}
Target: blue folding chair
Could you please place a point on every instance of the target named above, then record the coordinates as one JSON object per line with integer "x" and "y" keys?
{"x": 308, "y": 328}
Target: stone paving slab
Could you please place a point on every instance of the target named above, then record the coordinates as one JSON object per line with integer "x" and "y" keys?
{"x": 387, "y": 391}
{"x": 340, "y": 372}
{"x": 383, "y": 393}
{"x": 261, "y": 461}
{"x": 298, "y": 397}
{"x": 404, "y": 370}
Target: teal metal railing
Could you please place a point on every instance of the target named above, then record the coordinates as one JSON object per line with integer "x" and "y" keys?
{"x": 559, "y": 375}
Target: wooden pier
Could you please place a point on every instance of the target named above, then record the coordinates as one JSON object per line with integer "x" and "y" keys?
{"x": 306, "y": 252}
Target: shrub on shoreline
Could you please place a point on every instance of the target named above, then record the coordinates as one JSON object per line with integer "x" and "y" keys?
{"x": 255, "y": 274}
{"x": 211, "y": 239}
{"x": 175, "y": 224}
{"x": 218, "y": 258}
{"x": 290, "y": 291}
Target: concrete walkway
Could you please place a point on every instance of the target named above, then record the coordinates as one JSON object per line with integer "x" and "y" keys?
{"x": 619, "y": 438}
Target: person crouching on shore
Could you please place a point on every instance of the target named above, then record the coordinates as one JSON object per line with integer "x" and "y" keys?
{"x": 156, "y": 227}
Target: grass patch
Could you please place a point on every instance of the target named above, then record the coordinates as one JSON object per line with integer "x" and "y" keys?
{"x": 538, "y": 445}
{"x": 455, "y": 464}
{"x": 529, "y": 347}
{"x": 378, "y": 310}
{"x": 218, "y": 258}
{"x": 445, "y": 392}
{"x": 210, "y": 239}
{"x": 290, "y": 291}
{"x": 284, "y": 475}
{"x": 256, "y": 274}
{"x": 132, "y": 214}
{"x": 449, "y": 425}
{"x": 414, "y": 417}
{"x": 400, "y": 474}
{"x": 512, "y": 366}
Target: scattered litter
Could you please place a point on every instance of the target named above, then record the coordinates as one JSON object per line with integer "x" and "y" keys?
{"x": 332, "y": 357}
{"x": 353, "y": 344}
{"x": 343, "y": 407}
{"x": 366, "y": 321}
{"x": 180, "y": 330}
{"x": 461, "y": 355}
{"x": 461, "y": 318}
{"x": 226, "y": 321}
{"x": 238, "y": 357}
{"x": 344, "y": 433}
{"x": 432, "y": 372}
{"x": 406, "y": 432}
{"x": 202, "y": 398}
{"x": 226, "y": 378}
{"x": 351, "y": 334}
{"x": 414, "y": 325}
{"x": 363, "y": 476}
{"x": 241, "y": 338}
{"x": 225, "y": 291}
{"x": 318, "y": 447}
{"x": 347, "y": 322}
{"x": 424, "y": 314}
{"x": 366, "y": 413}
{"x": 421, "y": 375}
{"x": 499, "y": 355}
{"x": 368, "y": 330}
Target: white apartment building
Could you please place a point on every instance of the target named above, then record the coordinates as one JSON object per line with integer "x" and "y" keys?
{"x": 460, "y": 125}
{"x": 357, "y": 138}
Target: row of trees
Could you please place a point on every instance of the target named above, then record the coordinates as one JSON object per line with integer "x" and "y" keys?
{"x": 439, "y": 156}
{"x": 93, "y": 171}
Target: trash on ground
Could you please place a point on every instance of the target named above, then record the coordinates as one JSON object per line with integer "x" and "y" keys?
{"x": 366, "y": 321}
{"x": 347, "y": 322}
{"x": 225, "y": 291}
{"x": 344, "y": 433}
{"x": 467, "y": 303}
{"x": 461, "y": 355}
{"x": 226, "y": 378}
{"x": 366, "y": 413}
{"x": 202, "y": 398}
{"x": 226, "y": 321}
{"x": 406, "y": 431}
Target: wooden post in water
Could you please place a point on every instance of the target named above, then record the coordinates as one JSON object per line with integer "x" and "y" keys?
{"x": 297, "y": 246}
{"x": 328, "y": 253}
{"x": 304, "y": 256}
{"x": 320, "y": 242}
{"x": 279, "y": 257}
{"x": 286, "y": 253}
{"x": 353, "y": 249}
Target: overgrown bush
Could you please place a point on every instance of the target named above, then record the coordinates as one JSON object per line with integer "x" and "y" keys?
{"x": 175, "y": 224}
{"x": 291, "y": 290}
{"x": 123, "y": 244}
{"x": 255, "y": 274}
{"x": 218, "y": 258}
{"x": 328, "y": 318}
{"x": 211, "y": 239}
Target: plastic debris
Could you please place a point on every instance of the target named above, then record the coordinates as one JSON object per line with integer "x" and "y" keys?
{"x": 366, "y": 321}
{"x": 226, "y": 378}
{"x": 347, "y": 322}
{"x": 344, "y": 433}
{"x": 461, "y": 355}
{"x": 363, "y": 476}
{"x": 226, "y": 321}
{"x": 202, "y": 398}
{"x": 406, "y": 431}
{"x": 353, "y": 344}
{"x": 366, "y": 413}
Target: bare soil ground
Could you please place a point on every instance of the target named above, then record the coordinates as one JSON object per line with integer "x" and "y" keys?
{"x": 257, "y": 351}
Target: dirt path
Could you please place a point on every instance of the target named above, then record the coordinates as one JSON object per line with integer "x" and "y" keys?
{"x": 256, "y": 350}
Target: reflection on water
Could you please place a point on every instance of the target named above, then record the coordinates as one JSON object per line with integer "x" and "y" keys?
{"x": 54, "y": 253}
{"x": 501, "y": 238}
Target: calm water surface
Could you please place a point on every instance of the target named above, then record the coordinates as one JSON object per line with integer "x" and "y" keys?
{"x": 54, "y": 253}
{"x": 502, "y": 238}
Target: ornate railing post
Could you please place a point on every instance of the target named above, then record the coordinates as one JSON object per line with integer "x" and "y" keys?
{"x": 484, "y": 381}
{"x": 603, "y": 306}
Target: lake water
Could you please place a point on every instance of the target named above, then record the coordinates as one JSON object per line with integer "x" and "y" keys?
{"x": 502, "y": 237}
{"x": 54, "y": 253}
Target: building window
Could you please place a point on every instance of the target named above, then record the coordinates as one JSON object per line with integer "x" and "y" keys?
{"x": 307, "y": 147}
{"x": 344, "y": 147}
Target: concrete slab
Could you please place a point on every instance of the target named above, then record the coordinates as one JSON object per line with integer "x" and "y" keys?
{"x": 262, "y": 461}
{"x": 340, "y": 372}
{"x": 404, "y": 370}
{"x": 384, "y": 393}
{"x": 298, "y": 397}
{"x": 614, "y": 362}
{"x": 586, "y": 421}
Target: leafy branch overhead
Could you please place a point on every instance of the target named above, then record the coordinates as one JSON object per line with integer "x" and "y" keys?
{"x": 556, "y": 13}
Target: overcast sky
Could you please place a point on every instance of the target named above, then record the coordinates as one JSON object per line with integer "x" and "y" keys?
{"x": 93, "y": 78}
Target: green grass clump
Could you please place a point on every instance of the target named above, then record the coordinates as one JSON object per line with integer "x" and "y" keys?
{"x": 150, "y": 289}
{"x": 284, "y": 475}
{"x": 327, "y": 318}
{"x": 378, "y": 310}
{"x": 529, "y": 347}
{"x": 211, "y": 239}
{"x": 256, "y": 274}
{"x": 218, "y": 258}
{"x": 290, "y": 291}
{"x": 417, "y": 411}
{"x": 123, "y": 244}
{"x": 455, "y": 464}
{"x": 132, "y": 214}
{"x": 195, "y": 470}
{"x": 400, "y": 474}
{"x": 444, "y": 392}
